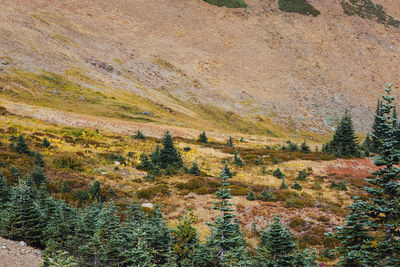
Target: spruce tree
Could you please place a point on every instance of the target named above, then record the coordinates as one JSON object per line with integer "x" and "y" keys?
{"x": 277, "y": 246}
{"x": 145, "y": 163}
{"x": 305, "y": 148}
{"x": 380, "y": 214}
{"x": 226, "y": 243}
{"x": 39, "y": 160}
{"x": 226, "y": 172}
{"x": 230, "y": 141}
{"x": 24, "y": 218}
{"x": 377, "y": 129}
{"x": 38, "y": 176}
{"x": 344, "y": 142}
{"x": 139, "y": 135}
{"x": 194, "y": 169}
{"x": 302, "y": 176}
{"x": 4, "y": 191}
{"x": 296, "y": 186}
{"x": 46, "y": 143}
{"x": 203, "y": 138}
{"x": 237, "y": 160}
{"x": 155, "y": 156}
{"x": 169, "y": 155}
{"x": 21, "y": 146}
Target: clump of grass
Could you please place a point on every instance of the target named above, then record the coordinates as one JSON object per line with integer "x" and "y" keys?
{"x": 228, "y": 3}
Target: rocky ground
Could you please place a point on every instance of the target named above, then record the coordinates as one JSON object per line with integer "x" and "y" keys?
{"x": 18, "y": 254}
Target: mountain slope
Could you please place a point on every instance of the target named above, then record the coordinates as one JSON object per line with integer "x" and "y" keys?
{"x": 193, "y": 60}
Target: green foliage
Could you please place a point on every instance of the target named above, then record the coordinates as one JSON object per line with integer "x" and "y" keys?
{"x": 267, "y": 196}
{"x": 278, "y": 174}
{"x": 316, "y": 186}
{"x": 305, "y": 148}
{"x": 46, "y": 143}
{"x": 292, "y": 147}
{"x": 302, "y": 176}
{"x": 203, "y": 138}
{"x": 367, "y": 9}
{"x": 139, "y": 136}
{"x": 226, "y": 172}
{"x": 21, "y": 146}
{"x": 169, "y": 155}
{"x": 145, "y": 163}
{"x": 38, "y": 176}
{"x": 61, "y": 259}
{"x": 296, "y": 186}
{"x": 339, "y": 186}
{"x": 237, "y": 160}
{"x": 194, "y": 169}
{"x": 251, "y": 196}
{"x": 377, "y": 220}
{"x": 298, "y": 6}
{"x": 344, "y": 142}
{"x": 228, "y": 3}
{"x": 15, "y": 172}
{"x": 230, "y": 141}
{"x": 283, "y": 185}
{"x": 94, "y": 191}
{"x": 65, "y": 187}
{"x": 39, "y": 160}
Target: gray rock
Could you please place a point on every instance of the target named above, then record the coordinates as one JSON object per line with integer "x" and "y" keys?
{"x": 146, "y": 113}
{"x": 55, "y": 92}
{"x": 3, "y": 247}
{"x": 81, "y": 98}
{"x": 314, "y": 129}
{"x": 22, "y": 243}
{"x": 299, "y": 118}
{"x": 147, "y": 205}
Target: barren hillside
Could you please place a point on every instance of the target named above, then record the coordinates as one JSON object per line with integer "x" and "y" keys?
{"x": 259, "y": 62}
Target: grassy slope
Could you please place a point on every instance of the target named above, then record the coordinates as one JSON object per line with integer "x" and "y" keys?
{"x": 308, "y": 212}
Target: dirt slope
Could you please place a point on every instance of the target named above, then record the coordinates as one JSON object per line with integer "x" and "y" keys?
{"x": 13, "y": 254}
{"x": 298, "y": 70}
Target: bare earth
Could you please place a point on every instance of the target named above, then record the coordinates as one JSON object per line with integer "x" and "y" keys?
{"x": 13, "y": 254}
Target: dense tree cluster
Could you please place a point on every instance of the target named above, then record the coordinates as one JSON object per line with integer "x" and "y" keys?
{"x": 371, "y": 236}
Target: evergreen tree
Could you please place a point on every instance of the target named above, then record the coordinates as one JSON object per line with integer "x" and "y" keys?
{"x": 4, "y": 191}
{"x": 169, "y": 155}
{"x": 377, "y": 129}
{"x": 61, "y": 259}
{"x": 65, "y": 187}
{"x": 46, "y": 143}
{"x": 38, "y": 176}
{"x": 15, "y": 172}
{"x": 39, "y": 160}
{"x": 237, "y": 160}
{"x": 21, "y": 146}
{"x": 267, "y": 196}
{"x": 296, "y": 186}
{"x": 145, "y": 163}
{"x": 230, "y": 141}
{"x": 95, "y": 191}
{"x": 251, "y": 196}
{"x": 367, "y": 145}
{"x": 302, "y": 176}
{"x": 278, "y": 174}
{"x": 226, "y": 243}
{"x": 344, "y": 142}
{"x": 305, "y": 148}
{"x": 380, "y": 215}
{"x": 24, "y": 219}
{"x": 283, "y": 184}
{"x": 277, "y": 246}
{"x": 185, "y": 238}
{"x": 194, "y": 169}
{"x": 139, "y": 135}
{"x": 226, "y": 172}
{"x": 155, "y": 156}
{"x": 203, "y": 138}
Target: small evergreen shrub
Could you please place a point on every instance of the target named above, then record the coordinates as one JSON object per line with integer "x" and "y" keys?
{"x": 302, "y": 176}
{"x": 342, "y": 186}
{"x": 203, "y": 138}
{"x": 46, "y": 143}
{"x": 296, "y": 186}
{"x": 230, "y": 141}
{"x": 298, "y": 6}
{"x": 266, "y": 196}
{"x": 283, "y": 185}
{"x": 237, "y": 160}
{"x": 316, "y": 186}
{"x": 194, "y": 169}
{"x": 278, "y": 174}
{"x": 228, "y": 3}
{"x": 251, "y": 196}
{"x": 305, "y": 148}
{"x": 139, "y": 136}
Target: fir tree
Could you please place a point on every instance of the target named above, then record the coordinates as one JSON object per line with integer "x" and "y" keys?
{"x": 277, "y": 246}
{"x": 230, "y": 141}
{"x": 46, "y": 143}
{"x": 65, "y": 187}
{"x": 237, "y": 160}
{"x": 194, "y": 169}
{"x": 95, "y": 191}
{"x": 302, "y": 176}
{"x": 4, "y": 191}
{"x": 155, "y": 156}
{"x": 267, "y": 196}
{"x": 39, "y": 160}
{"x": 203, "y": 138}
{"x": 21, "y": 146}
{"x": 283, "y": 185}
{"x": 169, "y": 155}
{"x": 139, "y": 135}
{"x": 226, "y": 242}
{"x": 380, "y": 215}
{"x": 278, "y": 174}
{"x": 251, "y": 196}
{"x": 296, "y": 186}
{"x": 38, "y": 176}
{"x": 367, "y": 145}
{"x": 344, "y": 142}
{"x": 226, "y": 172}
{"x": 145, "y": 163}
{"x": 377, "y": 129}
{"x": 305, "y": 148}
